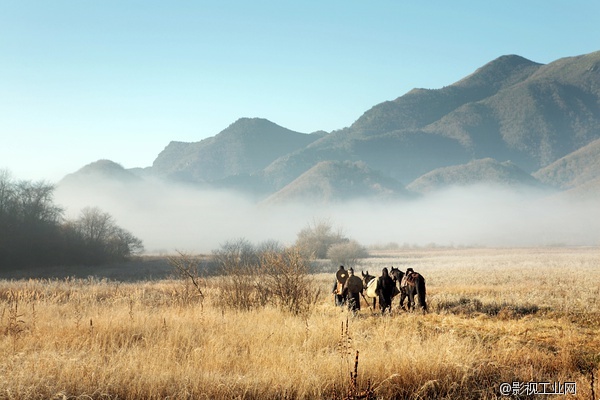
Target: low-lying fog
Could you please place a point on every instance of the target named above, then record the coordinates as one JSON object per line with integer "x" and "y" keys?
{"x": 169, "y": 217}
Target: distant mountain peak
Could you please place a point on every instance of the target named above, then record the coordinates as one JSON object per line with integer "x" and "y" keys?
{"x": 101, "y": 169}
{"x": 503, "y": 71}
{"x": 421, "y": 107}
{"x": 255, "y": 122}
{"x": 246, "y": 146}
{"x": 509, "y": 61}
{"x": 254, "y": 126}
{"x": 102, "y": 166}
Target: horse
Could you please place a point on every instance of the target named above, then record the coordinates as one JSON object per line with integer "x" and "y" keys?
{"x": 370, "y": 284}
{"x": 413, "y": 283}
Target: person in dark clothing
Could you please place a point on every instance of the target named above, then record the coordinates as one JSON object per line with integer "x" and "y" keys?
{"x": 338, "y": 286}
{"x": 385, "y": 288}
{"x": 353, "y": 287}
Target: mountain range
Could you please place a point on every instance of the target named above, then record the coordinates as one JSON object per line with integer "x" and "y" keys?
{"x": 512, "y": 122}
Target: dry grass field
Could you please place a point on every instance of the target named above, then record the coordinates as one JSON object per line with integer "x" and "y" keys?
{"x": 496, "y": 316}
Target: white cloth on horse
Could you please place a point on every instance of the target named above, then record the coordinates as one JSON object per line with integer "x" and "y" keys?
{"x": 372, "y": 288}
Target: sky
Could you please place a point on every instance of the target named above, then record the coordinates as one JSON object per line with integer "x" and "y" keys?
{"x": 85, "y": 80}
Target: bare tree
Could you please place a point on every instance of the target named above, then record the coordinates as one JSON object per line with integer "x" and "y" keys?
{"x": 36, "y": 202}
{"x": 104, "y": 240}
{"x": 347, "y": 253}
{"x": 7, "y": 193}
{"x": 95, "y": 225}
{"x": 29, "y": 222}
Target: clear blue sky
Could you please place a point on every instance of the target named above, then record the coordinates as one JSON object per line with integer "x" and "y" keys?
{"x": 85, "y": 80}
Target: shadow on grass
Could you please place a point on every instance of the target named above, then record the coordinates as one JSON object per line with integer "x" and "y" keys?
{"x": 467, "y": 306}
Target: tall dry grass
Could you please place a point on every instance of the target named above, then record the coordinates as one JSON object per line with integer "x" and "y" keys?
{"x": 497, "y": 315}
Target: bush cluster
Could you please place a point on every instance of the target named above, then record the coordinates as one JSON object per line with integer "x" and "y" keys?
{"x": 320, "y": 241}
{"x": 254, "y": 276}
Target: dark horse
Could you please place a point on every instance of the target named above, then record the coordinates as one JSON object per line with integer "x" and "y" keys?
{"x": 370, "y": 283}
{"x": 413, "y": 284}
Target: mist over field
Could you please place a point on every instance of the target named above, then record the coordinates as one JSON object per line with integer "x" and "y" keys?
{"x": 510, "y": 108}
{"x": 169, "y": 217}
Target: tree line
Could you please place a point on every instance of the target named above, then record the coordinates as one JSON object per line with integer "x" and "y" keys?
{"x": 34, "y": 231}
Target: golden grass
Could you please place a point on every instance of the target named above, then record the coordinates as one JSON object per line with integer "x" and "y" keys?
{"x": 496, "y": 315}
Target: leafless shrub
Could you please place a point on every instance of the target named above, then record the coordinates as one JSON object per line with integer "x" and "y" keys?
{"x": 238, "y": 263}
{"x": 287, "y": 280}
{"x": 267, "y": 274}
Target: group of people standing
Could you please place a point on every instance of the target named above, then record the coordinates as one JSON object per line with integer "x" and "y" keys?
{"x": 348, "y": 288}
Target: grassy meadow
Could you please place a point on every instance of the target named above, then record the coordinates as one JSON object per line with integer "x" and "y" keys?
{"x": 496, "y": 316}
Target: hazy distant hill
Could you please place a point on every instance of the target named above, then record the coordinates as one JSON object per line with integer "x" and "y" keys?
{"x": 290, "y": 166}
{"x": 246, "y": 146}
{"x": 551, "y": 112}
{"x": 589, "y": 190}
{"x": 509, "y": 109}
{"x": 486, "y": 171}
{"x": 336, "y": 181}
{"x": 576, "y": 169}
{"x": 104, "y": 170}
{"x": 402, "y": 155}
{"x": 421, "y": 107}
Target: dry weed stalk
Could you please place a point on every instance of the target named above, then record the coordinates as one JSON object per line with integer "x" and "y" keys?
{"x": 33, "y": 317}
{"x": 587, "y": 363}
{"x": 354, "y": 392}
{"x": 344, "y": 346}
{"x": 78, "y": 313}
{"x": 187, "y": 268}
{"x": 592, "y": 385}
{"x": 344, "y": 349}
{"x": 15, "y": 325}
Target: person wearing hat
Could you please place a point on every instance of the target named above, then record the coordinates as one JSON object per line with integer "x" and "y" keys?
{"x": 385, "y": 289}
{"x": 353, "y": 287}
{"x": 338, "y": 286}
